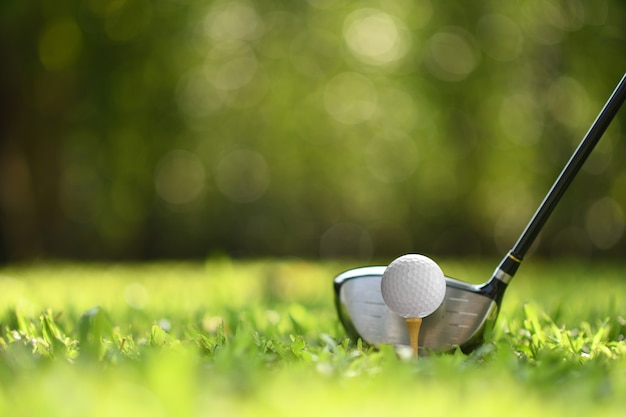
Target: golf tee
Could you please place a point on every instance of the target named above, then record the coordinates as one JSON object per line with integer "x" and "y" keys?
{"x": 414, "y": 324}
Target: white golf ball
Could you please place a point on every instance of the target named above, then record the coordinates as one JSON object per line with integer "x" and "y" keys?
{"x": 413, "y": 286}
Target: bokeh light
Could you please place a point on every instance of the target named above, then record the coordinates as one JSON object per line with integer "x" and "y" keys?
{"x": 136, "y": 295}
{"x": 567, "y": 100}
{"x": 452, "y": 55}
{"x": 398, "y": 109}
{"x": 605, "y": 223}
{"x": 197, "y": 96}
{"x": 235, "y": 73}
{"x": 128, "y": 20}
{"x": 179, "y": 177}
{"x": 569, "y": 17}
{"x": 231, "y": 65}
{"x": 60, "y": 43}
{"x": 500, "y": 37}
{"x": 350, "y": 98}
{"x": 508, "y": 227}
{"x": 233, "y": 20}
{"x": 106, "y": 7}
{"x": 521, "y": 120}
{"x": 375, "y": 37}
{"x": 600, "y": 160}
{"x": 81, "y": 185}
{"x": 242, "y": 175}
{"x": 391, "y": 157}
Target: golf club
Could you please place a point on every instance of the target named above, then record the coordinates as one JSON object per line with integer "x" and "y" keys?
{"x": 468, "y": 310}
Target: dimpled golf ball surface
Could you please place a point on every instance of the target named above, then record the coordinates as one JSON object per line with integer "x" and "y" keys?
{"x": 413, "y": 286}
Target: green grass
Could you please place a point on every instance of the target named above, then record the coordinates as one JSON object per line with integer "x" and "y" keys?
{"x": 227, "y": 338}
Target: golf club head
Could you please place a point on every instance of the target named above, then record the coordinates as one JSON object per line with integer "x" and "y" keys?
{"x": 464, "y": 316}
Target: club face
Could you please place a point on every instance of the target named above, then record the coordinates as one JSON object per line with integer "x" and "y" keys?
{"x": 462, "y": 319}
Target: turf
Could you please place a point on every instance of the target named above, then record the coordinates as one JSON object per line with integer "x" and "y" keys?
{"x": 261, "y": 338}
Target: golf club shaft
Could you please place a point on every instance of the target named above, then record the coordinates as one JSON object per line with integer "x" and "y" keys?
{"x": 516, "y": 255}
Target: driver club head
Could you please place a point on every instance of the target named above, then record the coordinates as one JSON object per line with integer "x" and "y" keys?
{"x": 467, "y": 312}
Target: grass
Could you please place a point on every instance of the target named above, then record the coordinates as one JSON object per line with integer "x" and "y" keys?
{"x": 226, "y": 338}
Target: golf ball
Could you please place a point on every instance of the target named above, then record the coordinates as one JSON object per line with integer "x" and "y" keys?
{"x": 413, "y": 286}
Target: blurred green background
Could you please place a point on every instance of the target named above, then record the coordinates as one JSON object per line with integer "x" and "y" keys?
{"x": 139, "y": 129}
